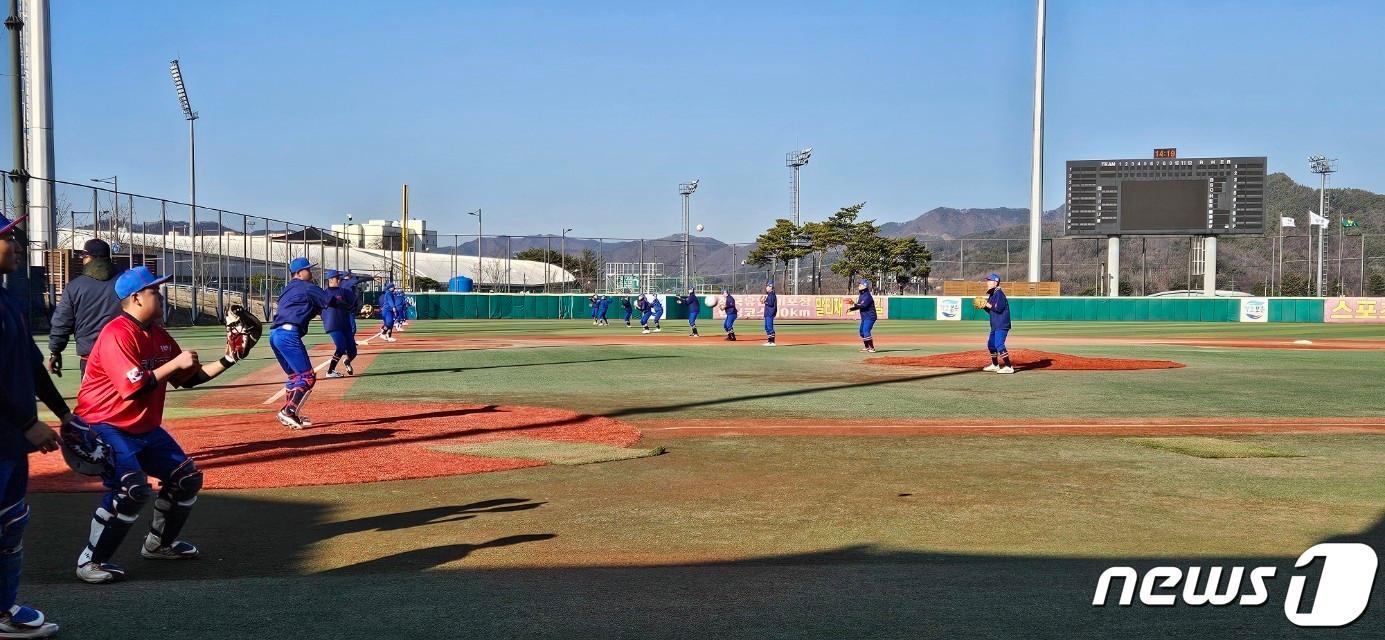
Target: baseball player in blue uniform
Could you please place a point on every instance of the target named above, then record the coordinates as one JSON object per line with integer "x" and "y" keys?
{"x": 646, "y": 311}
{"x": 771, "y": 302}
{"x": 387, "y": 305}
{"x": 22, "y": 378}
{"x": 865, "y": 303}
{"x": 628, "y": 306}
{"x": 602, "y": 304}
{"x": 401, "y": 310}
{"x": 694, "y": 307}
{"x": 299, "y": 302}
{"x": 657, "y": 308}
{"x": 340, "y": 323}
{"x": 728, "y": 304}
{"x": 998, "y": 309}
{"x": 595, "y": 302}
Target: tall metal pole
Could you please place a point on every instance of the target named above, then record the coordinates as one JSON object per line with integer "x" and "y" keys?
{"x": 404, "y": 243}
{"x": 1036, "y": 155}
{"x": 18, "y": 282}
{"x": 686, "y": 189}
{"x": 795, "y": 161}
{"x": 38, "y": 76}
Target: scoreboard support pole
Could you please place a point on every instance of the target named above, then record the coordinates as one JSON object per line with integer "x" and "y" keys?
{"x": 1113, "y": 266}
{"x": 1209, "y": 266}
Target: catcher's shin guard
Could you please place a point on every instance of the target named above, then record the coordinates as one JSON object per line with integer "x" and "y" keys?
{"x": 12, "y": 524}
{"x": 114, "y": 518}
{"x": 174, "y": 502}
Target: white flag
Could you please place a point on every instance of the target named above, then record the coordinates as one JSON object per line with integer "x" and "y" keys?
{"x": 1286, "y": 222}
{"x": 1315, "y": 219}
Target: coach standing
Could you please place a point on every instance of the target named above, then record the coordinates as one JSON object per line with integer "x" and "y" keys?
{"x": 87, "y": 304}
{"x": 998, "y": 308}
{"x": 771, "y": 303}
{"x": 865, "y": 303}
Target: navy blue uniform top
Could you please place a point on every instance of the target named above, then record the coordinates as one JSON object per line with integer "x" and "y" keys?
{"x": 658, "y": 304}
{"x": 730, "y": 303}
{"x": 643, "y": 305}
{"x": 300, "y": 301}
{"x": 694, "y": 306}
{"x": 865, "y": 303}
{"x": 771, "y": 305}
{"x": 20, "y": 361}
{"x": 625, "y": 302}
{"x": 336, "y": 318}
{"x": 385, "y": 302}
{"x": 999, "y": 310}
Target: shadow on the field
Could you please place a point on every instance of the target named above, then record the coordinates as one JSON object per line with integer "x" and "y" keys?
{"x": 444, "y": 413}
{"x": 315, "y": 440}
{"x": 260, "y": 555}
{"x": 513, "y": 366}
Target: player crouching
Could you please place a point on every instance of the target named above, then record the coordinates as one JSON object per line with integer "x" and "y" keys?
{"x": 122, "y": 399}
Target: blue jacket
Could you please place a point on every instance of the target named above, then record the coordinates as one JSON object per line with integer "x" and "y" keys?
{"x": 865, "y": 303}
{"x": 338, "y": 318}
{"x": 658, "y": 306}
{"x": 20, "y": 361}
{"x": 300, "y": 301}
{"x": 643, "y": 305}
{"x": 87, "y": 304}
{"x": 771, "y": 305}
{"x": 694, "y": 306}
{"x": 730, "y": 304}
{"x": 999, "y": 311}
{"x": 386, "y": 303}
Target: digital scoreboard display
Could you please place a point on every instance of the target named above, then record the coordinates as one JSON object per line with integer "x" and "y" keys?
{"x": 1165, "y": 196}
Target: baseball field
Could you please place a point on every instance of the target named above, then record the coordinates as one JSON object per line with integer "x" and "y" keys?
{"x": 554, "y": 479}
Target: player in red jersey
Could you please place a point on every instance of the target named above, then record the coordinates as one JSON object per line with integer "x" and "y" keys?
{"x": 122, "y": 398}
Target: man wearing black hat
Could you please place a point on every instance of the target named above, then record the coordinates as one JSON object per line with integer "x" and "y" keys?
{"x": 88, "y": 303}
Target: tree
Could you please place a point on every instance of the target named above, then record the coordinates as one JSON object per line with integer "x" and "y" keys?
{"x": 909, "y": 261}
{"x": 1376, "y": 285}
{"x": 777, "y": 244}
{"x": 1294, "y": 285}
{"x": 537, "y": 254}
{"x": 828, "y": 235}
{"x": 867, "y": 253}
{"x": 424, "y": 283}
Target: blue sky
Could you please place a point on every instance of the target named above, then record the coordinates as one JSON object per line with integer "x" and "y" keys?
{"x": 588, "y": 115}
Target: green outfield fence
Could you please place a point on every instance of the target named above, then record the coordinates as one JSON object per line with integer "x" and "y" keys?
{"x": 501, "y": 306}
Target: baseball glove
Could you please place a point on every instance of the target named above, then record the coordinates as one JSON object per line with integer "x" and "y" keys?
{"x": 83, "y": 450}
{"x": 978, "y": 302}
{"x": 243, "y": 330}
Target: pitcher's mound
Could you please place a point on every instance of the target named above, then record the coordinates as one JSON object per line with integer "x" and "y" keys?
{"x": 1026, "y": 359}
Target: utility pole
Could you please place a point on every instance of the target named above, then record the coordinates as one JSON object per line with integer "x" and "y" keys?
{"x": 1036, "y": 154}
{"x": 796, "y": 160}
{"x": 1323, "y": 167}
{"x": 686, "y": 190}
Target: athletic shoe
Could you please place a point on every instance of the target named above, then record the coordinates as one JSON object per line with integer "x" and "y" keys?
{"x": 658, "y": 330}
{"x": 389, "y": 339}
{"x": 991, "y": 368}
{"x": 1006, "y": 370}
{"x": 335, "y": 374}
{"x": 645, "y": 331}
{"x": 731, "y": 337}
{"x": 303, "y": 420}
{"x": 179, "y": 550}
{"x": 349, "y": 370}
{"x": 100, "y": 572}
{"x": 25, "y": 622}
{"x": 864, "y": 349}
{"x": 289, "y": 420}
{"x": 769, "y": 344}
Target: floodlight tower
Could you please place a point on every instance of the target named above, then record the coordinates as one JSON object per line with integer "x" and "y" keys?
{"x": 795, "y": 160}
{"x": 1321, "y": 166}
{"x": 191, "y": 117}
{"x": 686, "y": 189}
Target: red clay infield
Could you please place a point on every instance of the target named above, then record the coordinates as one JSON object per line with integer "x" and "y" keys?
{"x": 1026, "y": 359}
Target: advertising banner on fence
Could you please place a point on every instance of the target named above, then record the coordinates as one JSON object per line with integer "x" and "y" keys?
{"x": 1255, "y": 309}
{"x": 1354, "y": 310}
{"x": 749, "y": 307}
{"x": 949, "y": 308}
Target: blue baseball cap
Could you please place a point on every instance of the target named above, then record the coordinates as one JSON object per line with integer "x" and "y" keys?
{"x": 7, "y": 225}
{"x": 865, "y": 283}
{"x": 332, "y": 273}
{"x": 300, "y": 264}
{"x": 137, "y": 279}
{"x": 994, "y": 277}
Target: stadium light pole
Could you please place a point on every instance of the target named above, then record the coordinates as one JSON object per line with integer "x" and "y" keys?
{"x": 1036, "y": 154}
{"x": 477, "y": 213}
{"x": 562, "y": 249}
{"x": 796, "y": 160}
{"x": 114, "y": 181}
{"x": 1322, "y": 166}
{"x": 191, "y": 116}
{"x": 686, "y": 189}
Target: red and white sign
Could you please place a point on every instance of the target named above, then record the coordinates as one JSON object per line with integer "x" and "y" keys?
{"x": 1354, "y": 310}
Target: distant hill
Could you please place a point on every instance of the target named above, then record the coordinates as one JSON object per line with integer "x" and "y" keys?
{"x": 946, "y": 223}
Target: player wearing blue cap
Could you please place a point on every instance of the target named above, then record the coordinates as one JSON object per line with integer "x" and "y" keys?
{"x": 339, "y": 323}
{"x": 865, "y": 303}
{"x": 602, "y": 302}
{"x": 595, "y": 302}
{"x": 694, "y": 307}
{"x": 728, "y": 304}
{"x": 656, "y": 308}
{"x": 646, "y": 311}
{"x": 299, "y": 302}
{"x": 401, "y": 311}
{"x": 388, "y": 304}
{"x": 998, "y": 308}
{"x": 22, "y": 378}
{"x": 771, "y": 302}
{"x": 628, "y": 306}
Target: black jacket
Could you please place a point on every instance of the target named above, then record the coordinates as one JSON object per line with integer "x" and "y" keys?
{"x": 87, "y": 304}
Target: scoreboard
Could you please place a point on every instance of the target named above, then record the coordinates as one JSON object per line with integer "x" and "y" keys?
{"x": 1165, "y": 196}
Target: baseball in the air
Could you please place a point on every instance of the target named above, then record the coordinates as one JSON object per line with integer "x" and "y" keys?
{"x": 699, "y": 228}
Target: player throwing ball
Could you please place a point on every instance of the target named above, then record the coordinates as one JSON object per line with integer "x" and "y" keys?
{"x": 998, "y": 308}
{"x": 865, "y": 303}
{"x": 122, "y": 398}
{"x": 299, "y": 302}
{"x": 771, "y": 302}
{"x": 728, "y": 305}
